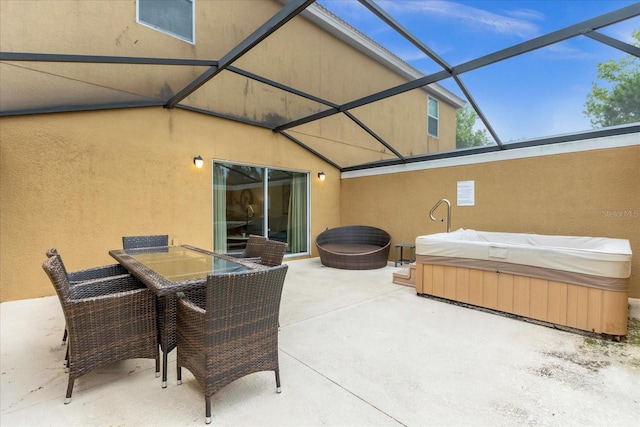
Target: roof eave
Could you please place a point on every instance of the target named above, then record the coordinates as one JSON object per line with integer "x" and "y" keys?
{"x": 361, "y": 42}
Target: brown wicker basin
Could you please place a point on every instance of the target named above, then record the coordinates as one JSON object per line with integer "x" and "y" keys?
{"x": 354, "y": 247}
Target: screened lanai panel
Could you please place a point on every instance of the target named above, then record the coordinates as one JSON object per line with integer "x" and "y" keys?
{"x": 366, "y": 22}
{"x": 541, "y": 93}
{"x": 54, "y": 85}
{"x": 320, "y": 64}
{"x": 526, "y": 98}
{"x": 23, "y": 89}
{"x": 109, "y": 28}
{"x": 623, "y": 31}
{"x": 234, "y": 95}
{"x": 341, "y": 140}
{"x": 464, "y": 30}
{"x": 223, "y": 24}
{"x": 402, "y": 121}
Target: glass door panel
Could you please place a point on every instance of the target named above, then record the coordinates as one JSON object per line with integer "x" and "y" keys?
{"x": 238, "y": 205}
{"x": 254, "y": 200}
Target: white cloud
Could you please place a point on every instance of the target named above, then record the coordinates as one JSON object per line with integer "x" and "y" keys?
{"x": 517, "y": 24}
{"x": 566, "y": 52}
{"x": 525, "y": 14}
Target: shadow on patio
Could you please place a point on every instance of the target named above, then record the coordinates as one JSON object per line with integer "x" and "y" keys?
{"x": 355, "y": 349}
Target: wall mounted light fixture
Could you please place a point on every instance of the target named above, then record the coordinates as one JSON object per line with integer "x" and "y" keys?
{"x": 198, "y": 162}
{"x": 321, "y": 176}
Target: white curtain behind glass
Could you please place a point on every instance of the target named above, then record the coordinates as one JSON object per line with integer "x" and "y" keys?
{"x": 297, "y": 223}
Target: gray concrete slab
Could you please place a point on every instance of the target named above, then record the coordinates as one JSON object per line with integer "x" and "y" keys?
{"x": 355, "y": 349}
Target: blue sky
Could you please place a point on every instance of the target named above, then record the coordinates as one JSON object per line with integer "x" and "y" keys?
{"x": 537, "y": 94}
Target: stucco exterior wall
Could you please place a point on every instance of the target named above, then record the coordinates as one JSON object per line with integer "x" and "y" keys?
{"x": 301, "y": 55}
{"x": 591, "y": 193}
{"x": 80, "y": 181}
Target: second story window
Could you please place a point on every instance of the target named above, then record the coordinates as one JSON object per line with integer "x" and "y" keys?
{"x": 432, "y": 120}
{"x": 173, "y": 17}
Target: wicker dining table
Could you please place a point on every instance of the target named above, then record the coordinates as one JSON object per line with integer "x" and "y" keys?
{"x": 167, "y": 270}
{"x": 170, "y": 269}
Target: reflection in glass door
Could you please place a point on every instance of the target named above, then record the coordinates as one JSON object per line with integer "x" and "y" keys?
{"x": 254, "y": 200}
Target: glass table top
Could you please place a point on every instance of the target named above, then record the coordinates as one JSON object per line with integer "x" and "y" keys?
{"x": 178, "y": 263}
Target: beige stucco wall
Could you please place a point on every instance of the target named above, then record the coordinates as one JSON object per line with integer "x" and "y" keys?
{"x": 300, "y": 54}
{"x": 582, "y": 193}
{"x": 80, "y": 181}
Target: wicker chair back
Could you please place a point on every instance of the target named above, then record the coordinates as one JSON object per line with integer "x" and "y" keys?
{"x": 254, "y": 246}
{"x": 272, "y": 253}
{"x": 132, "y": 242}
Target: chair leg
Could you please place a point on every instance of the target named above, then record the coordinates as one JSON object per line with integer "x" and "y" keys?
{"x": 164, "y": 369}
{"x": 179, "y": 375}
{"x": 157, "y": 365}
{"x": 66, "y": 360}
{"x": 69, "y": 391}
{"x": 207, "y": 418}
{"x": 278, "y": 389}
{"x": 165, "y": 340}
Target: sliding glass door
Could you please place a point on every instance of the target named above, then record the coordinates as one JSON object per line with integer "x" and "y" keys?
{"x": 257, "y": 200}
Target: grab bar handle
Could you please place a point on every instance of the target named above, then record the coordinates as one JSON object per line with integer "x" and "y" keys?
{"x": 442, "y": 219}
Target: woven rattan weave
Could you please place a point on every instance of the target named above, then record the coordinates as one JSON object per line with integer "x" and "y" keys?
{"x": 166, "y": 305}
{"x": 354, "y": 247}
{"x": 108, "y": 320}
{"x": 253, "y": 248}
{"x": 230, "y": 329}
{"x": 130, "y": 242}
{"x": 88, "y": 274}
{"x": 272, "y": 253}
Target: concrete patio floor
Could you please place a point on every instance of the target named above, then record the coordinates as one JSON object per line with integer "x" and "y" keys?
{"x": 355, "y": 350}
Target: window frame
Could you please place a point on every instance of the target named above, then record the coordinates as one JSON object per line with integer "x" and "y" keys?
{"x": 192, "y": 41}
{"x": 436, "y": 117}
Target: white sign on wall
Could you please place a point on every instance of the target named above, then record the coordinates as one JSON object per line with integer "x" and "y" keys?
{"x": 466, "y": 193}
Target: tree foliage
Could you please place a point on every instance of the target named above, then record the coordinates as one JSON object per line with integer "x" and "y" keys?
{"x": 620, "y": 102}
{"x": 466, "y": 136}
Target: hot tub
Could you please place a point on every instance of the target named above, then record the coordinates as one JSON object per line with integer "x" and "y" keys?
{"x": 576, "y": 282}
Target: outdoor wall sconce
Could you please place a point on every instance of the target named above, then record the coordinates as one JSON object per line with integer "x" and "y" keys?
{"x": 321, "y": 176}
{"x": 198, "y": 162}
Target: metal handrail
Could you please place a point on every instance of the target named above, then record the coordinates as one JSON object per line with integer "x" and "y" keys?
{"x": 448, "y": 213}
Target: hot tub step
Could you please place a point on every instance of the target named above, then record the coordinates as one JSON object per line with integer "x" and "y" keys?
{"x": 406, "y": 277}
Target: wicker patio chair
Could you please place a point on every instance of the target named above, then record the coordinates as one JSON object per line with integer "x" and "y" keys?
{"x": 272, "y": 253}
{"x": 83, "y": 275}
{"x": 108, "y": 319}
{"x": 230, "y": 329}
{"x": 166, "y": 305}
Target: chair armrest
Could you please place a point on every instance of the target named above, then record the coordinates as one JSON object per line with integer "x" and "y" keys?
{"x": 193, "y": 300}
{"x": 105, "y": 286}
{"x": 97, "y": 273}
{"x": 117, "y": 313}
